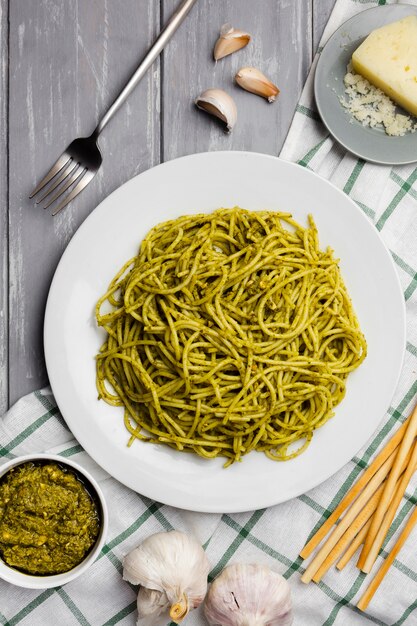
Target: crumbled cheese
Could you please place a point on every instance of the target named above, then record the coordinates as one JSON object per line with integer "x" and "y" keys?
{"x": 370, "y": 106}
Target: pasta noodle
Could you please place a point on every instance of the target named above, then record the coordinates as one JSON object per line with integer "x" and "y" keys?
{"x": 229, "y": 332}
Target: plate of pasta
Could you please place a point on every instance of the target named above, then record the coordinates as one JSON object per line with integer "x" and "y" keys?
{"x": 224, "y": 332}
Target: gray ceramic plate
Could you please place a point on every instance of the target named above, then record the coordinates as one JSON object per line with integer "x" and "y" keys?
{"x": 370, "y": 144}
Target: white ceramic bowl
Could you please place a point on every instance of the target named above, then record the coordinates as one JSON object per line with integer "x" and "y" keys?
{"x": 21, "y": 579}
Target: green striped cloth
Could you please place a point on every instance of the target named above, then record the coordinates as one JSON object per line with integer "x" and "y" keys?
{"x": 275, "y": 535}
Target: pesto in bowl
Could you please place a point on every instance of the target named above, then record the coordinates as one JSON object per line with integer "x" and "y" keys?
{"x": 49, "y": 518}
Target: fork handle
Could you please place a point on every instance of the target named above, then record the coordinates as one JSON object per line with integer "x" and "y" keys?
{"x": 160, "y": 43}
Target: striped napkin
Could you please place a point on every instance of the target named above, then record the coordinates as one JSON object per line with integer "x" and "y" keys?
{"x": 275, "y": 535}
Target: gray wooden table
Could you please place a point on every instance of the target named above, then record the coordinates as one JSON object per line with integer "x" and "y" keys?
{"x": 61, "y": 63}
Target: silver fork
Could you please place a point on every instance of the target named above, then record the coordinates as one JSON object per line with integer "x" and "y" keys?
{"x": 80, "y": 162}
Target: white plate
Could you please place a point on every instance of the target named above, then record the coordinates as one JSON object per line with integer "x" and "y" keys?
{"x": 112, "y": 234}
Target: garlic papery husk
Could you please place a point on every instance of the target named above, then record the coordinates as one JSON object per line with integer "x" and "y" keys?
{"x": 173, "y": 564}
{"x": 249, "y": 595}
{"x": 253, "y": 80}
{"x": 229, "y": 41}
{"x": 153, "y": 607}
{"x": 218, "y": 103}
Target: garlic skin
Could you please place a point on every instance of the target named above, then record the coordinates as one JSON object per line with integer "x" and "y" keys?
{"x": 230, "y": 40}
{"x": 218, "y": 103}
{"x": 253, "y": 80}
{"x": 249, "y": 595}
{"x": 152, "y": 606}
{"x": 172, "y": 569}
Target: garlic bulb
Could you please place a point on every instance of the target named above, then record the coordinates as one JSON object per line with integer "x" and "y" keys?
{"x": 229, "y": 41}
{"x": 253, "y": 80}
{"x": 218, "y": 103}
{"x": 172, "y": 570}
{"x": 249, "y": 595}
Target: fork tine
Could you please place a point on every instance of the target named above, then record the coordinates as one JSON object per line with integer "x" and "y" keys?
{"x": 59, "y": 178}
{"x": 70, "y": 180}
{"x": 86, "y": 178}
{"x": 57, "y": 167}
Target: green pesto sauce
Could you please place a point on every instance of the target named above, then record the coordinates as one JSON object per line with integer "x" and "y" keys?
{"x": 48, "y": 520}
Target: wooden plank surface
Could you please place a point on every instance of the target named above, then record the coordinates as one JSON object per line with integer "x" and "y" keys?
{"x": 281, "y": 47}
{"x": 4, "y": 248}
{"x": 67, "y": 60}
{"x": 321, "y": 14}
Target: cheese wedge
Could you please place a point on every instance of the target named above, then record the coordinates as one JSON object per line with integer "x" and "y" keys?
{"x": 388, "y": 59}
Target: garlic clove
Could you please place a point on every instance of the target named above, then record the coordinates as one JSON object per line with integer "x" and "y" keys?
{"x": 250, "y": 595}
{"x": 230, "y": 40}
{"x": 218, "y": 103}
{"x": 253, "y": 80}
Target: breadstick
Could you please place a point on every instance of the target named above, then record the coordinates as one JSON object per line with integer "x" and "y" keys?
{"x": 345, "y": 522}
{"x": 389, "y": 450}
{"x": 360, "y": 537}
{"x": 399, "y": 491}
{"x": 354, "y": 511}
{"x": 367, "y": 559}
{"x": 358, "y": 541}
{"x": 369, "y": 593}
{"x": 350, "y": 534}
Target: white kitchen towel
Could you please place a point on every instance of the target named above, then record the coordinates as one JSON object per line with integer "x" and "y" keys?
{"x": 275, "y": 535}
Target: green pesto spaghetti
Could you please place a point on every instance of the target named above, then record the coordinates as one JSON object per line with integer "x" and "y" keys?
{"x": 229, "y": 332}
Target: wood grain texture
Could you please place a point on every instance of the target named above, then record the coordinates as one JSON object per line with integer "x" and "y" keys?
{"x": 4, "y": 279}
{"x": 281, "y": 47}
{"x": 68, "y": 60}
{"x": 321, "y": 14}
